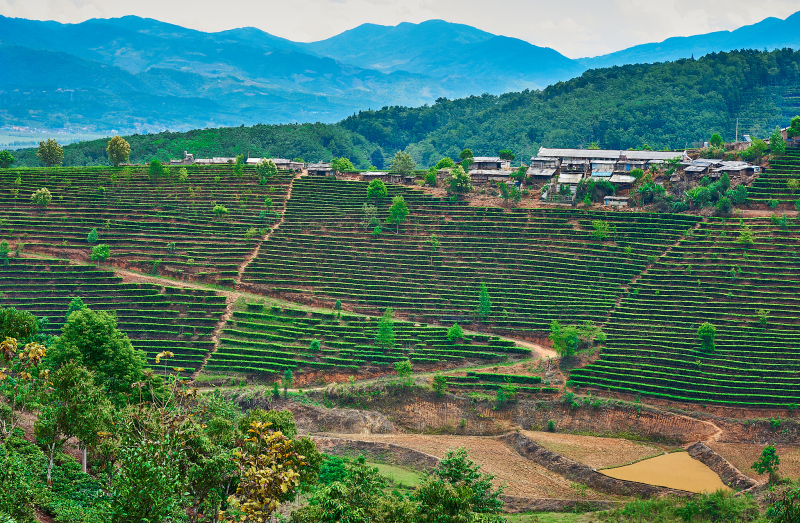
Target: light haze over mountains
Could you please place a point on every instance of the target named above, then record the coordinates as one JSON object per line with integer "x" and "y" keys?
{"x": 138, "y": 74}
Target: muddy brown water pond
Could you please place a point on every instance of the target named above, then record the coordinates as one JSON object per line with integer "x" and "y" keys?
{"x": 677, "y": 470}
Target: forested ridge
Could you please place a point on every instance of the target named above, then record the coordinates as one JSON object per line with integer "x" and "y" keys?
{"x": 668, "y": 105}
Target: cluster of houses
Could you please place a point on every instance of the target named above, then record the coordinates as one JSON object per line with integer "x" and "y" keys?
{"x": 554, "y": 168}
{"x": 280, "y": 163}
{"x": 568, "y": 167}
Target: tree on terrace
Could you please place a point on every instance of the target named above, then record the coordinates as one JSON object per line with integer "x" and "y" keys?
{"x": 118, "y": 150}
{"x": 238, "y": 165}
{"x": 565, "y": 339}
{"x": 776, "y": 142}
{"x": 457, "y": 469}
{"x": 100, "y": 253}
{"x": 6, "y": 159}
{"x": 376, "y": 189}
{"x": 42, "y": 198}
{"x": 75, "y": 305}
{"x": 794, "y": 127}
{"x": 746, "y": 236}
{"x": 266, "y": 169}
{"x": 397, "y": 212}
{"x": 403, "y": 163}
{"x": 50, "y": 153}
{"x": 342, "y": 165}
{"x": 435, "y": 245}
{"x": 768, "y": 463}
{"x": 459, "y": 182}
{"x": 155, "y": 169}
{"x": 706, "y": 333}
{"x": 385, "y": 336}
{"x": 92, "y": 236}
{"x": 403, "y": 370}
{"x": 484, "y": 303}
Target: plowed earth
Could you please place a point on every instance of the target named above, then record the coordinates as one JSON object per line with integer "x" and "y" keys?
{"x": 593, "y": 451}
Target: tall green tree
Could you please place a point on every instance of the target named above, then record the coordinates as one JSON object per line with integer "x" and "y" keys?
{"x": 42, "y": 198}
{"x": 385, "y": 335}
{"x": 6, "y": 159}
{"x": 397, "y": 212}
{"x": 456, "y": 469}
{"x": 118, "y": 150}
{"x": 768, "y": 463}
{"x": 716, "y": 140}
{"x": 484, "y": 303}
{"x": 403, "y": 163}
{"x": 507, "y": 154}
{"x": 50, "y": 153}
{"x": 100, "y": 253}
{"x": 776, "y": 142}
{"x": 91, "y": 339}
{"x": 465, "y": 154}
{"x": 376, "y": 189}
{"x": 565, "y": 339}
{"x": 459, "y": 182}
{"x": 706, "y": 333}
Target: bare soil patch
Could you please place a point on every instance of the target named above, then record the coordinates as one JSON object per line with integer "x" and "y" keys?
{"x": 523, "y": 477}
{"x": 594, "y": 451}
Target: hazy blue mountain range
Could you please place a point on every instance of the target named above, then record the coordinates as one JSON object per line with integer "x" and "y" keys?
{"x": 136, "y": 74}
{"x": 768, "y": 34}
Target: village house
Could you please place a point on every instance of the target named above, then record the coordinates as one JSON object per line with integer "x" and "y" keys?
{"x": 281, "y": 163}
{"x": 480, "y": 163}
{"x": 378, "y": 175}
{"x": 320, "y": 169}
{"x": 188, "y": 159}
{"x": 542, "y": 168}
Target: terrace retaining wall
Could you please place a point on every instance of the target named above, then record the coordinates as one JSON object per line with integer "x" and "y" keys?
{"x": 729, "y": 474}
{"x": 377, "y": 451}
{"x": 579, "y": 472}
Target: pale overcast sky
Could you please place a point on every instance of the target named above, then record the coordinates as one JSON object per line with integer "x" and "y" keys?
{"x": 575, "y": 28}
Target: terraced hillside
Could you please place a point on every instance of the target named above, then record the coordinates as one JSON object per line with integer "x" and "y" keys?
{"x": 155, "y": 317}
{"x": 748, "y": 293}
{"x": 155, "y": 225}
{"x": 538, "y": 265}
{"x": 270, "y": 340}
{"x": 772, "y": 183}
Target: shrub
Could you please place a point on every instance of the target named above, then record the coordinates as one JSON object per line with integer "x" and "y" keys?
{"x": 601, "y": 229}
{"x": 716, "y": 140}
{"x": 768, "y": 463}
{"x": 155, "y": 169}
{"x": 773, "y": 203}
{"x": 220, "y": 210}
{"x": 403, "y": 370}
{"x": 706, "y": 333}
{"x": 92, "y": 236}
{"x": 42, "y": 198}
{"x": 551, "y": 426}
{"x": 746, "y": 237}
{"x": 314, "y": 346}
{"x": 430, "y": 179}
{"x": 455, "y": 332}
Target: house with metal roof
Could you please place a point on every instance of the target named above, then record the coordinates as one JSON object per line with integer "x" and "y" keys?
{"x": 320, "y": 169}
{"x": 480, "y": 163}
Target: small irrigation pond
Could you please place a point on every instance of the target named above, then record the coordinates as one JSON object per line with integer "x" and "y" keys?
{"x": 677, "y": 470}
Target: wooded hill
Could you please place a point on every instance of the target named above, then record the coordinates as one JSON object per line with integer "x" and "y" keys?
{"x": 668, "y": 105}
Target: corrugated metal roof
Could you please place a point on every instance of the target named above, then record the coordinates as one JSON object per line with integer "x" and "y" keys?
{"x": 487, "y": 159}
{"x": 319, "y": 167}
{"x": 607, "y": 154}
{"x": 622, "y": 178}
{"x": 540, "y": 172}
{"x": 492, "y": 172}
{"x": 569, "y": 178}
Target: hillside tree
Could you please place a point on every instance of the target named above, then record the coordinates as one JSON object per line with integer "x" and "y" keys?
{"x": 376, "y": 189}
{"x": 768, "y": 463}
{"x": 777, "y": 144}
{"x": 342, "y": 165}
{"x": 92, "y": 236}
{"x": 238, "y": 165}
{"x": 266, "y": 169}
{"x": 6, "y": 159}
{"x": 715, "y": 140}
{"x": 100, "y": 253}
{"x": 42, "y": 198}
{"x": 484, "y": 303}
{"x": 507, "y": 154}
{"x": 118, "y": 150}
{"x": 385, "y": 335}
{"x": 794, "y": 128}
{"x": 707, "y": 333}
{"x": 465, "y": 154}
{"x": 459, "y": 182}
{"x": 91, "y": 339}
{"x": 50, "y": 153}
{"x": 404, "y": 369}
{"x": 565, "y": 338}
{"x": 403, "y": 163}
{"x": 398, "y": 212}
{"x": 435, "y": 245}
